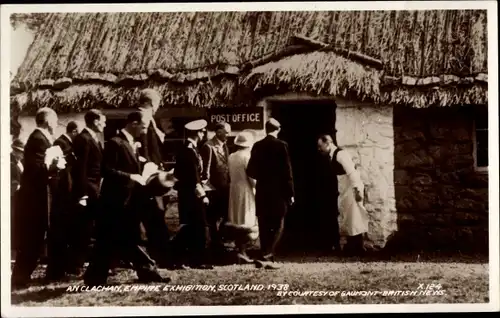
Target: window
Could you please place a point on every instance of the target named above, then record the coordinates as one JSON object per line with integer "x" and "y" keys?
{"x": 481, "y": 139}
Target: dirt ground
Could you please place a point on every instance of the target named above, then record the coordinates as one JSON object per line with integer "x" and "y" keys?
{"x": 305, "y": 281}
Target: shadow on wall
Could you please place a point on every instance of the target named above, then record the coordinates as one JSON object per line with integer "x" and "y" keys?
{"x": 442, "y": 201}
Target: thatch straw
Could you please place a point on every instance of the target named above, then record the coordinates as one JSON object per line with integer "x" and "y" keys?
{"x": 434, "y": 42}
{"x": 79, "y": 58}
{"x": 217, "y": 93}
{"x": 319, "y": 72}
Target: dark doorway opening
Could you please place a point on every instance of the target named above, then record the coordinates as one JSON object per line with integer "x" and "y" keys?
{"x": 302, "y": 122}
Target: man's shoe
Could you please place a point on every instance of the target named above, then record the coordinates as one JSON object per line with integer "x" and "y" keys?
{"x": 154, "y": 278}
{"x": 259, "y": 263}
{"x": 244, "y": 259}
{"x": 272, "y": 265}
{"x": 202, "y": 266}
{"x": 20, "y": 284}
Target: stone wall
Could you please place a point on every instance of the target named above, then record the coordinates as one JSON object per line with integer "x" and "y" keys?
{"x": 442, "y": 201}
{"x": 366, "y": 131}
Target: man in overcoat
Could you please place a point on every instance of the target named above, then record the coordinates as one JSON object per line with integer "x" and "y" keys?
{"x": 118, "y": 224}
{"x": 193, "y": 200}
{"x": 87, "y": 177}
{"x": 34, "y": 197}
{"x": 270, "y": 165}
{"x": 215, "y": 173}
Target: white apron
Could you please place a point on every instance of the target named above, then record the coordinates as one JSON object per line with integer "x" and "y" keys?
{"x": 353, "y": 217}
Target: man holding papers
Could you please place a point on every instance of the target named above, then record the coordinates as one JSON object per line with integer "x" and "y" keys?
{"x": 118, "y": 224}
{"x": 151, "y": 141}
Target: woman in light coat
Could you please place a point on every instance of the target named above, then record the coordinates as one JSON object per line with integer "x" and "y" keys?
{"x": 241, "y": 215}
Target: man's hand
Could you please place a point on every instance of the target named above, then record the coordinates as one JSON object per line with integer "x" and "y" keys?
{"x": 83, "y": 202}
{"x": 292, "y": 200}
{"x": 138, "y": 178}
{"x": 357, "y": 195}
{"x": 205, "y": 200}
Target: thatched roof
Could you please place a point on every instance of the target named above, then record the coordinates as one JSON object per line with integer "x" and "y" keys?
{"x": 205, "y": 58}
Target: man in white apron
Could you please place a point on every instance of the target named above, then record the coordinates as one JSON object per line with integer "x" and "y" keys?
{"x": 353, "y": 218}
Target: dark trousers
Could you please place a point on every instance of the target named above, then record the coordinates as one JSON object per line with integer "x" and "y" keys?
{"x": 58, "y": 238}
{"x": 216, "y": 215}
{"x": 157, "y": 233}
{"x": 81, "y": 232}
{"x": 331, "y": 231}
{"x": 29, "y": 246}
{"x": 271, "y": 213}
{"x": 191, "y": 243}
{"x": 117, "y": 237}
{"x": 354, "y": 245}
{"x": 270, "y": 232}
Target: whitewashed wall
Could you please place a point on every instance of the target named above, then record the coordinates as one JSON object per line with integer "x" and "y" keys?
{"x": 28, "y": 124}
{"x": 367, "y": 132}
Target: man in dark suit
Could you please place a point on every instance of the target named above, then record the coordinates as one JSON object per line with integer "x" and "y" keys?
{"x": 194, "y": 231}
{"x": 119, "y": 221}
{"x": 153, "y": 216}
{"x": 16, "y": 171}
{"x": 152, "y": 139}
{"x": 62, "y": 206}
{"x": 34, "y": 203}
{"x": 270, "y": 165}
{"x": 86, "y": 185}
{"x": 215, "y": 173}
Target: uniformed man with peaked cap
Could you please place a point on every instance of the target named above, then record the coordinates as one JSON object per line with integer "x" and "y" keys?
{"x": 192, "y": 197}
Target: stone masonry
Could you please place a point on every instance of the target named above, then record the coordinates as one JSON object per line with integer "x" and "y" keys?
{"x": 366, "y": 131}
{"x": 442, "y": 201}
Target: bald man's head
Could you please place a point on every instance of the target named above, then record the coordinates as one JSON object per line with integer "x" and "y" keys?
{"x": 46, "y": 118}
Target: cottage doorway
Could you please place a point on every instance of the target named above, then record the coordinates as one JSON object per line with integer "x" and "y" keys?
{"x": 302, "y": 122}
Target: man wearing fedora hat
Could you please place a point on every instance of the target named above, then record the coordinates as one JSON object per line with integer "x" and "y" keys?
{"x": 270, "y": 165}
{"x": 193, "y": 199}
{"x": 118, "y": 224}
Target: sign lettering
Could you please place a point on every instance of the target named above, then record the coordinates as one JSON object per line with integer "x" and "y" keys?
{"x": 239, "y": 118}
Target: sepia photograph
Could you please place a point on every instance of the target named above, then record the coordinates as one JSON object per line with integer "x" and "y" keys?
{"x": 248, "y": 155}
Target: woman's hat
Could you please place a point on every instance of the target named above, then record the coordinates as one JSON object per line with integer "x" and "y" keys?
{"x": 244, "y": 139}
{"x": 18, "y": 145}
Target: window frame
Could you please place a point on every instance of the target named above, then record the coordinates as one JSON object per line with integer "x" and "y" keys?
{"x": 474, "y": 150}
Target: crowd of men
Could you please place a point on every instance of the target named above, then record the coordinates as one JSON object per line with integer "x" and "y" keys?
{"x": 100, "y": 191}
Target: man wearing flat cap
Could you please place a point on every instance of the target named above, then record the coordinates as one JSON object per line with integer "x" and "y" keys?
{"x": 151, "y": 149}
{"x": 270, "y": 165}
{"x": 192, "y": 197}
{"x": 118, "y": 226}
{"x": 215, "y": 173}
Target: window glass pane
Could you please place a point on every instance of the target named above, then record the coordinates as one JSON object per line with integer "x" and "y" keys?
{"x": 482, "y": 139}
{"x": 482, "y": 118}
{"x": 482, "y": 158}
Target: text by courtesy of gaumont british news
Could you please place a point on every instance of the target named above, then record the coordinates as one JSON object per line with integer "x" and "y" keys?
{"x": 280, "y": 290}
